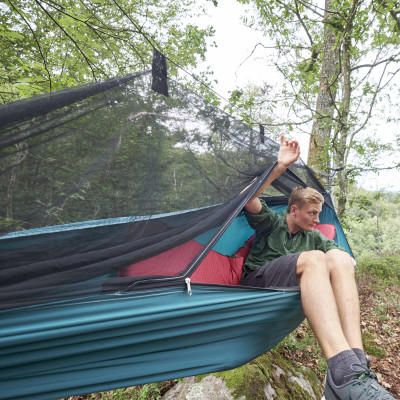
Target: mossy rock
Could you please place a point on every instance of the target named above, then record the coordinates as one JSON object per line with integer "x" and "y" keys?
{"x": 271, "y": 377}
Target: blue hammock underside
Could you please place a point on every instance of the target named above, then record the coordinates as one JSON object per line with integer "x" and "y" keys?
{"x": 128, "y": 339}
{"x": 108, "y": 341}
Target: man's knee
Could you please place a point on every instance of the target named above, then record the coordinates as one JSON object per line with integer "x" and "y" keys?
{"x": 311, "y": 260}
{"x": 339, "y": 260}
{"x": 339, "y": 257}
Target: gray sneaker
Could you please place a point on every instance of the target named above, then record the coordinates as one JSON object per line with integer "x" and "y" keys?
{"x": 364, "y": 386}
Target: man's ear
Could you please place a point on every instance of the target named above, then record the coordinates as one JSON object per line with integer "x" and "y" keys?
{"x": 293, "y": 208}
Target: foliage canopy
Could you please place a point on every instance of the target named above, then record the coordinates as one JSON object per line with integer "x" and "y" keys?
{"x": 48, "y": 45}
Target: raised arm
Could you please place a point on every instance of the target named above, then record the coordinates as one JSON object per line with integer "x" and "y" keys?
{"x": 289, "y": 152}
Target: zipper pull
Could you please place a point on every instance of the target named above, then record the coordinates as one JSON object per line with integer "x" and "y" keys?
{"x": 189, "y": 289}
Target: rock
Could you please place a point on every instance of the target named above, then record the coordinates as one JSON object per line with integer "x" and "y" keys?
{"x": 303, "y": 383}
{"x": 270, "y": 392}
{"x": 268, "y": 377}
{"x": 209, "y": 388}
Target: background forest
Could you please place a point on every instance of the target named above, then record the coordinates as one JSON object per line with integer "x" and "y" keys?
{"x": 338, "y": 63}
{"x": 372, "y": 223}
{"x": 334, "y": 66}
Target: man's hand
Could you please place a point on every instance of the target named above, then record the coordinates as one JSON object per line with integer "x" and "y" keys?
{"x": 289, "y": 152}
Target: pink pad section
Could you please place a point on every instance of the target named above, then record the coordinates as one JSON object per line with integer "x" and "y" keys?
{"x": 328, "y": 230}
{"x": 220, "y": 269}
{"x": 215, "y": 268}
{"x": 169, "y": 263}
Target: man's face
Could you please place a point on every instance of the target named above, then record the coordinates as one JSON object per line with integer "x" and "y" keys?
{"x": 307, "y": 216}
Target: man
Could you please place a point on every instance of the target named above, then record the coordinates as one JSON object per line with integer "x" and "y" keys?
{"x": 288, "y": 252}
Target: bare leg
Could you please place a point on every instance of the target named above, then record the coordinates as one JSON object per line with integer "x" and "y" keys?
{"x": 319, "y": 303}
{"x": 341, "y": 270}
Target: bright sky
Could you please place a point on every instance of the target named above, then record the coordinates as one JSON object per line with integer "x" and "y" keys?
{"x": 235, "y": 43}
{"x": 228, "y": 61}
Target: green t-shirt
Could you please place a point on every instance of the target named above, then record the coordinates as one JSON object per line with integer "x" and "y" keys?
{"x": 273, "y": 238}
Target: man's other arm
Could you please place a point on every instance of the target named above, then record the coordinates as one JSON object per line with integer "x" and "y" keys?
{"x": 289, "y": 152}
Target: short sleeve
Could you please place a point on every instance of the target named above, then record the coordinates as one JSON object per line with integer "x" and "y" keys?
{"x": 265, "y": 221}
{"x": 324, "y": 244}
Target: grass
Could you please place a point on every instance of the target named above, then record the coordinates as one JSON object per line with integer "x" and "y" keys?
{"x": 385, "y": 271}
{"x": 372, "y": 344}
{"x": 302, "y": 346}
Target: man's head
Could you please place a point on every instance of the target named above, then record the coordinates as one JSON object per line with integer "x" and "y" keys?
{"x": 302, "y": 196}
{"x": 305, "y": 205}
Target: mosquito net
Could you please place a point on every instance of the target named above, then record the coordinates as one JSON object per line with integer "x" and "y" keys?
{"x": 100, "y": 178}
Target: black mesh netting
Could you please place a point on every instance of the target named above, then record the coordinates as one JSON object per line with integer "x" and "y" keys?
{"x": 99, "y": 177}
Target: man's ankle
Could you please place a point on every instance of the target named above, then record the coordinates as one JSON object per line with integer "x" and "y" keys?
{"x": 361, "y": 356}
{"x": 340, "y": 367}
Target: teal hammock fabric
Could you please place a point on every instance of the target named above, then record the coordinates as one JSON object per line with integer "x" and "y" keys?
{"x": 101, "y": 180}
{"x": 84, "y": 346}
{"x": 107, "y": 341}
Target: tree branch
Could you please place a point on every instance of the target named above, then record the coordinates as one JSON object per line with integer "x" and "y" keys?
{"x": 88, "y": 62}
{"x": 313, "y": 8}
{"x": 36, "y": 40}
{"x": 372, "y": 104}
{"x": 394, "y": 15}
{"x": 386, "y": 60}
{"x": 297, "y": 12}
{"x": 95, "y": 30}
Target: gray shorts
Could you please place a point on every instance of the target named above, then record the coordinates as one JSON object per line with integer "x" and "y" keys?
{"x": 278, "y": 273}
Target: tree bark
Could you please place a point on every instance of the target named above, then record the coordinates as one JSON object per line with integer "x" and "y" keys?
{"x": 318, "y": 156}
{"x": 340, "y": 140}
{"x": 20, "y": 155}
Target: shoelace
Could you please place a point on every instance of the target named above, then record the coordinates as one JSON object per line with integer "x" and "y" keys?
{"x": 367, "y": 378}
{"x": 373, "y": 375}
{"x": 361, "y": 371}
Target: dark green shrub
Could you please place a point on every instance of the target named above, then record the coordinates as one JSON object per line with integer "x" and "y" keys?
{"x": 384, "y": 269}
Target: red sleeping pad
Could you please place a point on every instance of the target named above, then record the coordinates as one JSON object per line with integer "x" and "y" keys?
{"x": 215, "y": 268}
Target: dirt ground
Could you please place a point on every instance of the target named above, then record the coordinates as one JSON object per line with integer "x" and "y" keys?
{"x": 380, "y": 313}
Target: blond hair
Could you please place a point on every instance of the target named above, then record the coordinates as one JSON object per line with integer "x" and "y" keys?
{"x": 303, "y": 196}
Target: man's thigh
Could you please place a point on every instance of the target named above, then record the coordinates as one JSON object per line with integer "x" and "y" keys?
{"x": 280, "y": 272}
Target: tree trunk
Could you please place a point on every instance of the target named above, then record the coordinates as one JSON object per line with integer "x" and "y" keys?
{"x": 318, "y": 156}
{"x": 20, "y": 155}
{"x": 340, "y": 140}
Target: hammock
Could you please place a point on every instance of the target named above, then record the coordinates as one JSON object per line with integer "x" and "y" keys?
{"x": 123, "y": 238}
